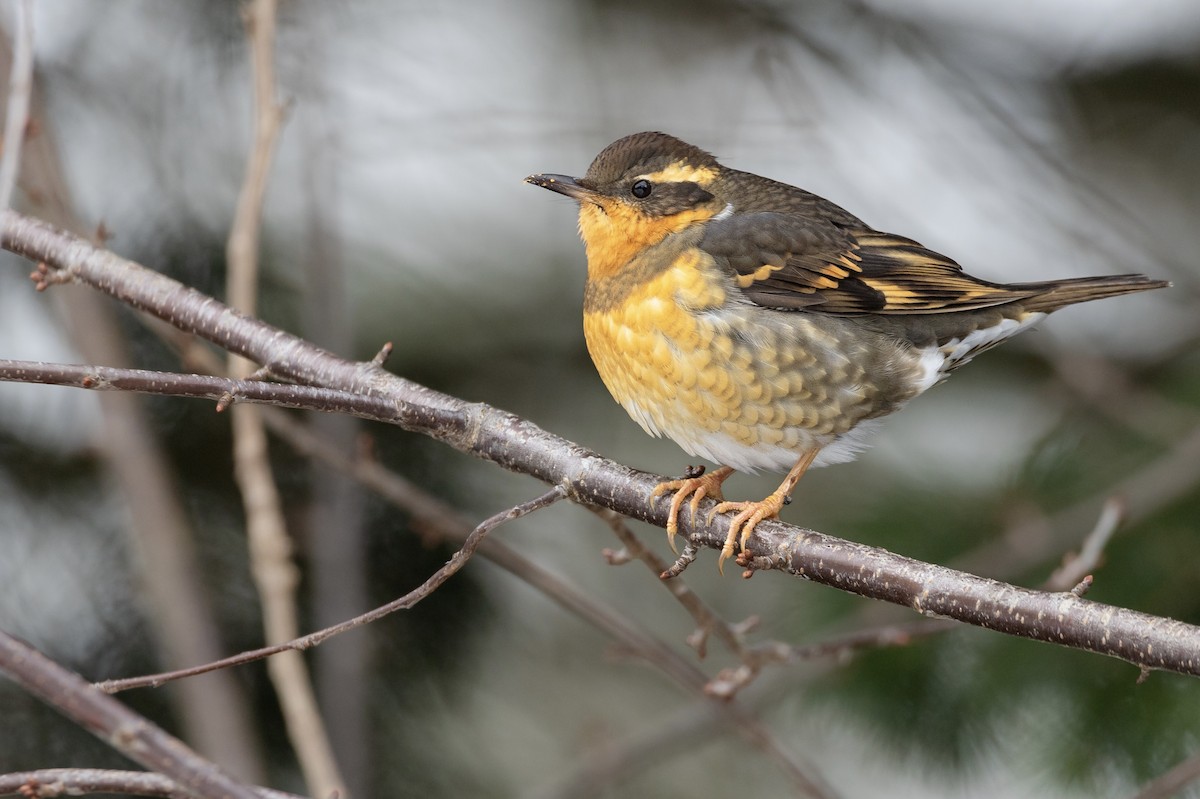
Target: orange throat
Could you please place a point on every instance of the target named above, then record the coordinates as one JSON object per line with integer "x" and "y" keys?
{"x": 617, "y": 233}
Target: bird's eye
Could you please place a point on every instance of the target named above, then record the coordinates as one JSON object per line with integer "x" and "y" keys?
{"x": 641, "y": 189}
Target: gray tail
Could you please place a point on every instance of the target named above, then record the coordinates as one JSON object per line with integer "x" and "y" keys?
{"x": 1054, "y": 294}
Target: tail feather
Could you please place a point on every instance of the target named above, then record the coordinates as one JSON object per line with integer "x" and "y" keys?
{"x": 1054, "y": 294}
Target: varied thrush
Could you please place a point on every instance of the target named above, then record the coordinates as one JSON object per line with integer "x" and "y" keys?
{"x": 763, "y": 327}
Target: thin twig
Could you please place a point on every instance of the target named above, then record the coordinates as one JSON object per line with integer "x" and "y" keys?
{"x": 839, "y": 647}
{"x": 242, "y": 247}
{"x": 213, "y": 387}
{"x": 1088, "y": 558}
{"x": 1072, "y": 576}
{"x": 430, "y": 512}
{"x": 275, "y": 574}
{"x": 52, "y": 782}
{"x": 686, "y": 557}
{"x": 707, "y": 620}
{"x": 452, "y": 566}
{"x": 118, "y": 726}
{"x": 697, "y": 723}
{"x": 597, "y": 770}
{"x": 16, "y": 114}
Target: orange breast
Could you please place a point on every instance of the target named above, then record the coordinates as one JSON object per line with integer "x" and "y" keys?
{"x": 741, "y": 385}
{"x": 726, "y": 380}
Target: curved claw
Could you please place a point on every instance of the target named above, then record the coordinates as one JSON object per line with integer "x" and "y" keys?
{"x": 741, "y": 526}
{"x": 751, "y": 513}
{"x": 708, "y": 485}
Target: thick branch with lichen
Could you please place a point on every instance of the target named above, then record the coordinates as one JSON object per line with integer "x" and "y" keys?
{"x": 518, "y": 445}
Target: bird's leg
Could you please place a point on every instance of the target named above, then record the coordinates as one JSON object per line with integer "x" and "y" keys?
{"x": 751, "y": 513}
{"x": 706, "y": 485}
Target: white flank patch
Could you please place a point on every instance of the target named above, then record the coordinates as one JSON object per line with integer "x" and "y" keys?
{"x": 937, "y": 362}
{"x": 726, "y": 212}
{"x": 933, "y": 365}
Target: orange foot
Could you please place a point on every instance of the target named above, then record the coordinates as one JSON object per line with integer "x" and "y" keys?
{"x": 751, "y": 513}
{"x": 708, "y": 485}
{"x": 748, "y": 517}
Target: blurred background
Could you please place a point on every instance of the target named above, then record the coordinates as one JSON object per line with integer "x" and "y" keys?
{"x": 1026, "y": 140}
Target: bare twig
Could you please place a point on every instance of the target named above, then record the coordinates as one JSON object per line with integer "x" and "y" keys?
{"x": 118, "y": 726}
{"x": 840, "y": 647}
{"x": 242, "y": 247}
{"x": 695, "y": 722}
{"x": 1088, "y": 558}
{"x": 452, "y": 566}
{"x": 837, "y": 648}
{"x": 698, "y": 723}
{"x": 690, "y": 553}
{"x": 707, "y": 621}
{"x": 16, "y": 114}
{"x": 275, "y": 574}
{"x": 384, "y": 353}
{"x": 51, "y": 782}
{"x": 283, "y": 395}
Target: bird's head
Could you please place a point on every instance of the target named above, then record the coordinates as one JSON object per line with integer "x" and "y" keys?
{"x": 639, "y": 190}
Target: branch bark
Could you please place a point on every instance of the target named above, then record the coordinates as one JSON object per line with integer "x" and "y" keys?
{"x": 271, "y": 565}
{"x": 49, "y": 782}
{"x": 518, "y": 445}
{"x": 112, "y": 722}
{"x": 20, "y": 87}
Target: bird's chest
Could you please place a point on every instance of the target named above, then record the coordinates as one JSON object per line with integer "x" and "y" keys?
{"x": 654, "y": 334}
{"x": 689, "y": 358}
{"x": 654, "y": 343}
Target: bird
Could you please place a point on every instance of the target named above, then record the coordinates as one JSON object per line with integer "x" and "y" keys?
{"x": 762, "y": 327}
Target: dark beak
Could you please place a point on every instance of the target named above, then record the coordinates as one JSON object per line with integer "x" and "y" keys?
{"x": 563, "y": 184}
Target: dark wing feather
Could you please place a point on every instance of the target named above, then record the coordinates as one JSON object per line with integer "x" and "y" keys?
{"x": 790, "y": 262}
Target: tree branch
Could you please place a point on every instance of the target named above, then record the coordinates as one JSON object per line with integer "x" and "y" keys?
{"x": 1147, "y": 641}
{"x": 223, "y": 390}
{"x": 50, "y": 782}
{"x": 118, "y": 726}
{"x": 274, "y": 572}
{"x": 20, "y": 87}
{"x": 409, "y": 600}
{"x": 707, "y": 621}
